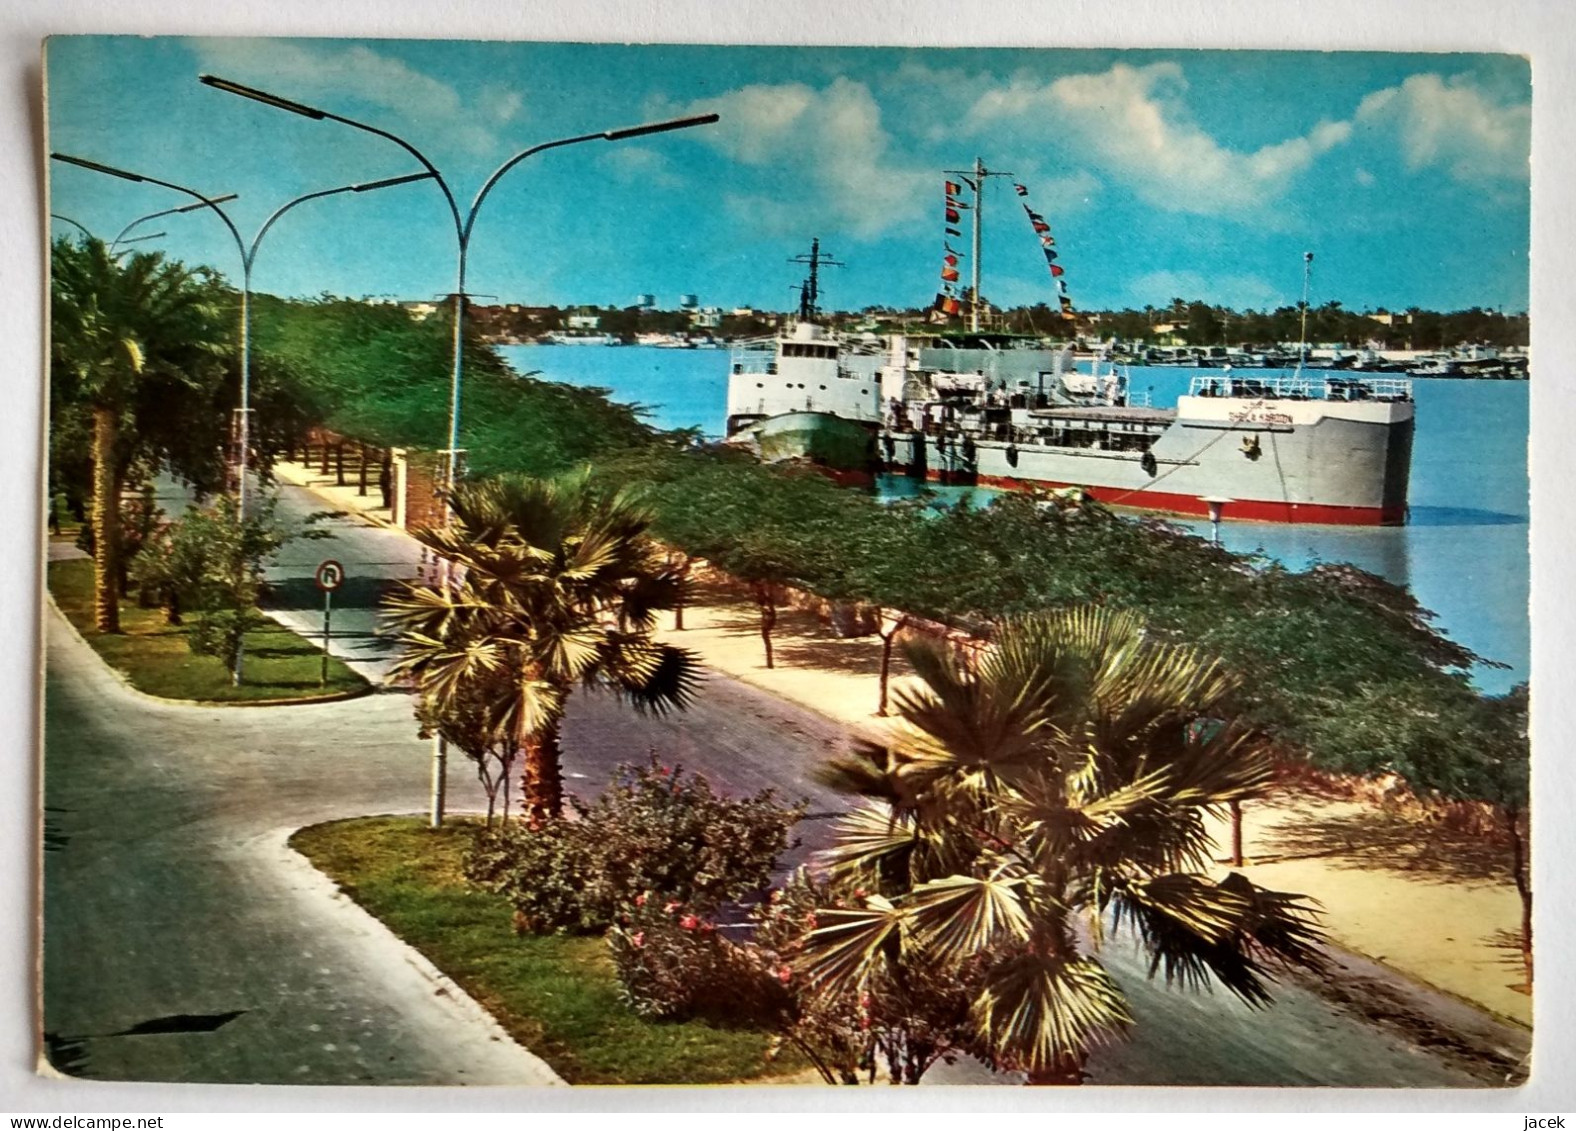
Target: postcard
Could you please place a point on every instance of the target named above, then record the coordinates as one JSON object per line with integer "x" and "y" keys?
{"x": 694, "y": 565}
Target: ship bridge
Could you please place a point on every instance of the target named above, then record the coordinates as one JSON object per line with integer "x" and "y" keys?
{"x": 805, "y": 370}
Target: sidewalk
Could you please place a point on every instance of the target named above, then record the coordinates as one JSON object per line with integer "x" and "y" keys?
{"x": 1434, "y": 907}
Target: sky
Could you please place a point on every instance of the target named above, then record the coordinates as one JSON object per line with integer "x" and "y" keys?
{"x": 1162, "y": 174}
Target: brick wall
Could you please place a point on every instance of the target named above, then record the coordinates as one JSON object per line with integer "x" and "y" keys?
{"x": 420, "y": 474}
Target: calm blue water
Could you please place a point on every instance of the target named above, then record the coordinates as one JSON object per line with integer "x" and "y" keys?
{"x": 1464, "y": 553}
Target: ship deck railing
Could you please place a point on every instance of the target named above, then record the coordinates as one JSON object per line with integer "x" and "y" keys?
{"x": 1304, "y": 387}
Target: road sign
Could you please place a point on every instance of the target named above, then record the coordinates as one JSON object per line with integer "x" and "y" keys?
{"x": 330, "y": 576}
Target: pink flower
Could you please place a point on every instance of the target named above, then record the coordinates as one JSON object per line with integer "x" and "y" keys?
{"x": 707, "y": 928}
{"x": 860, "y": 893}
{"x": 638, "y": 939}
{"x": 809, "y": 921}
{"x": 640, "y": 900}
{"x": 689, "y": 922}
{"x": 784, "y": 974}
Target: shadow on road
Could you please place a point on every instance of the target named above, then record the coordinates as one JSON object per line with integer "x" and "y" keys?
{"x": 302, "y": 593}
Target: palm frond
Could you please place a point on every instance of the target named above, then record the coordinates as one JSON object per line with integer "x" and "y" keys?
{"x": 849, "y": 945}
{"x": 872, "y": 841}
{"x": 956, "y": 916}
{"x": 1039, "y": 1010}
{"x": 1196, "y": 930}
{"x": 668, "y": 678}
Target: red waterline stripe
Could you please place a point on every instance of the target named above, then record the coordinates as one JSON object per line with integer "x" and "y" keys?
{"x": 1252, "y": 510}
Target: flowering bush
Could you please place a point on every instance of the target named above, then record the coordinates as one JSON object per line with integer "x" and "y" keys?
{"x": 654, "y": 830}
{"x": 673, "y": 963}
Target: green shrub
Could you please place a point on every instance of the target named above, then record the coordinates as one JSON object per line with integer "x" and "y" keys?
{"x": 653, "y": 832}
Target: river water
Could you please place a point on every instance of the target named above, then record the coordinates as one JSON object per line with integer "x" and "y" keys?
{"x": 1464, "y": 552}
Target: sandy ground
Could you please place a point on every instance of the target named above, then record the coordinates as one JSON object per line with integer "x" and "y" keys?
{"x": 1434, "y": 908}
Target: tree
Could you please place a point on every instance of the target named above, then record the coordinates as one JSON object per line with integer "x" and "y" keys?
{"x": 554, "y": 583}
{"x": 1447, "y": 743}
{"x": 1059, "y": 786}
{"x": 210, "y": 562}
{"x": 464, "y": 721}
{"x": 136, "y": 346}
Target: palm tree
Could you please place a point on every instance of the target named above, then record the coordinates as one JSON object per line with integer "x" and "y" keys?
{"x": 1028, "y": 805}
{"x": 554, "y": 583}
{"x": 135, "y": 343}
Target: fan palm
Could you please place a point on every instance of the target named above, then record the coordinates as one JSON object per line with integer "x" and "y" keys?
{"x": 1028, "y": 804}
{"x": 135, "y": 342}
{"x": 553, "y": 584}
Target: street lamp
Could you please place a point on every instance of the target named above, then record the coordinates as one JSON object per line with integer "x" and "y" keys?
{"x": 248, "y": 259}
{"x": 463, "y": 227}
{"x": 111, "y": 247}
{"x": 75, "y": 224}
{"x": 121, "y": 238}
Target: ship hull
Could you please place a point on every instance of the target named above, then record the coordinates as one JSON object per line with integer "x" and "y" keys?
{"x": 844, "y": 450}
{"x": 1273, "y": 461}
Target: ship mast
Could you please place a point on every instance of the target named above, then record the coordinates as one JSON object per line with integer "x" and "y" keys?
{"x": 810, "y": 289}
{"x": 975, "y": 179}
{"x": 1302, "y": 334}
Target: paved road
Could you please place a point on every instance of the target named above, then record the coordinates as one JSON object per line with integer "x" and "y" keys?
{"x": 168, "y": 894}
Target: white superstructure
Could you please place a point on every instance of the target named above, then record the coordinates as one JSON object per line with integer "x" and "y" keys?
{"x": 805, "y": 370}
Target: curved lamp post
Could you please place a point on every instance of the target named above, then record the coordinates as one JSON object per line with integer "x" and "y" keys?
{"x": 83, "y": 228}
{"x": 463, "y": 227}
{"x": 122, "y": 237}
{"x": 248, "y": 259}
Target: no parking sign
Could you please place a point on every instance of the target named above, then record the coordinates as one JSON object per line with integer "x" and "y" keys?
{"x": 330, "y": 576}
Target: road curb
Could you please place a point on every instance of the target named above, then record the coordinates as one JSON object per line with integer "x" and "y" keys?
{"x": 469, "y": 1010}
{"x": 124, "y": 680}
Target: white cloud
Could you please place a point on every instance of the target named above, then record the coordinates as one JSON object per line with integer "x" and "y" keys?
{"x": 636, "y": 165}
{"x": 829, "y": 150}
{"x": 1451, "y": 124}
{"x": 310, "y": 72}
{"x": 1131, "y": 122}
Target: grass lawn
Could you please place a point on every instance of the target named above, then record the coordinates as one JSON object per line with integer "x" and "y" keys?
{"x": 555, "y": 994}
{"x": 155, "y": 657}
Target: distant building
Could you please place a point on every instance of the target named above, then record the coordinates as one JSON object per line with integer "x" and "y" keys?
{"x": 706, "y": 318}
{"x": 421, "y": 311}
{"x": 584, "y": 320}
{"x": 1387, "y": 318}
{"x": 646, "y": 302}
{"x": 744, "y": 312}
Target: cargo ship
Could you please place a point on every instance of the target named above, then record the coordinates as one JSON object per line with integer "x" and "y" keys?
{"x": 975, "y": 407}
{"x": 1304, "y": 447}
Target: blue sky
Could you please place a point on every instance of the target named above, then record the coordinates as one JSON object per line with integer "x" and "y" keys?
{"x": 1162, "y": 173}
